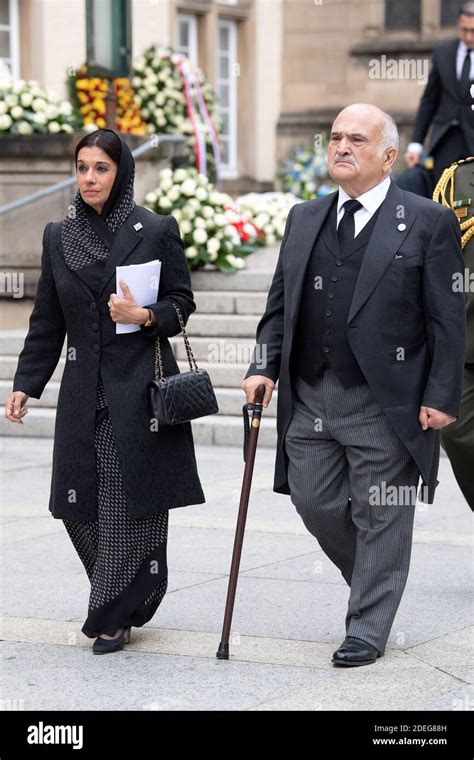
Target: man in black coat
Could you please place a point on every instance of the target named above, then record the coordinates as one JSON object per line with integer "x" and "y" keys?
{"x": 446, "y": 102}
{"x": 365, "y": 334}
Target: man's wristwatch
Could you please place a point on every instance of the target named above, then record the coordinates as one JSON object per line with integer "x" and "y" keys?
{"x": 149, "y": 321}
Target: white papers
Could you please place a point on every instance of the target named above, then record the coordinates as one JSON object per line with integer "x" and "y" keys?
{"x": 143, "y": 282}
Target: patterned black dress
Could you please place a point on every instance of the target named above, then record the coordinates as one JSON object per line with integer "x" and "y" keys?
{"x": 125, "y": 559}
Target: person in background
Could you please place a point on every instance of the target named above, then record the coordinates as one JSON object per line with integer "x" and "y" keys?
{"x": 418, "y": 177}
{"x": 446, "y": 101}
{"x": 458, "y": 439}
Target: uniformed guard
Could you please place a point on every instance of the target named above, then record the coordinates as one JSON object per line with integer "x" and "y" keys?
{"x": 456, "y": 189}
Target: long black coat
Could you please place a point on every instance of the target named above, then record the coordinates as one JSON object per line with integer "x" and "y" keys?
{"x": 406, "y": 302}
{"x": 158, "y": 467}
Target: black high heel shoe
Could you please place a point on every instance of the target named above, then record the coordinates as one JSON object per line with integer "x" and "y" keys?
{"x": 105, "y": 646}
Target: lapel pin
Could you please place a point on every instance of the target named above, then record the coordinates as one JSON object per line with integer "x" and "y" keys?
{"x": 137, "y": 226}
{"x": 402, "y": 227}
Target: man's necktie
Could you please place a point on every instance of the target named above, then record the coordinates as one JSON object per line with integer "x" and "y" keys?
{"x": 465, "y": 80}
{"x": 346, "y": 228}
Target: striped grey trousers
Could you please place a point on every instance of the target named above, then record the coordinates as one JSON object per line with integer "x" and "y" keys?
{"x": 354, "y": 484}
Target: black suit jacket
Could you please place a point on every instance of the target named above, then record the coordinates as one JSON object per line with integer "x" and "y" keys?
{"x": 442, "y": 104}
{"x": 405, "y": 302}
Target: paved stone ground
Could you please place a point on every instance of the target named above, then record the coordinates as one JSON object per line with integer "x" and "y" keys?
{"x": 289, "y": 614}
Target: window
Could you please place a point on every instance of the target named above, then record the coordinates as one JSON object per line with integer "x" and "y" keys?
{"x": 449, "y": 12}
{"x": 9, "y": 43}
{"x": 187, "y": 36}
{"x": 226, "y": 92}
{"x": 400, "y": 14}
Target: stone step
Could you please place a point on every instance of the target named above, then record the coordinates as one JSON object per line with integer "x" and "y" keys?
{"x": 221, "y": 325}
{"x": 257, "y": 276}
{"x": 242, "y": 282}
{"x": 204, "y": 338}
{"x": 48, "y": 400}
{"x": 20, "y": 279}
{"x": 215, "y": 429}
{"x": 202, "y": 325}
{"x": 223, "y": 375}
{"x": 215, "y": 349}
{"x": 230, "y": 400}
{"x": 229, "y": 431}
{"x": 38, "y": 423}
{"x": 18, "y": 260}
{"x": 8, "y": 365}
{"x": 233, "y": 349}
{"x": 244, "y": 279}
{"x": 11, "y": 341}
{"x": 207, "y": 302}
{"x": 229, "y": 302}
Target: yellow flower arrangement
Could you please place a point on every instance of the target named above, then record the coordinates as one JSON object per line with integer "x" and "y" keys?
{"x": 90, "y": 95}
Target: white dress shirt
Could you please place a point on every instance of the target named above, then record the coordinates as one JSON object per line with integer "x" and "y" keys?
{"x": 370, "y": 200}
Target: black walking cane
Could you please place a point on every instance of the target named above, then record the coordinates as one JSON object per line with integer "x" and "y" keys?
{"x": 250, "y": 447}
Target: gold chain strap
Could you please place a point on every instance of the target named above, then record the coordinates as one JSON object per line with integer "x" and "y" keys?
{"x": 159, "y": 374}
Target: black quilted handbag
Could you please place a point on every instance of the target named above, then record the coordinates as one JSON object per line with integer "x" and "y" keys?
{"x": 182, "y": 397}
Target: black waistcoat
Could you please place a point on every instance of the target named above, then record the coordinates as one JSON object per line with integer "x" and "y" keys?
{"x": 329, "y": 282}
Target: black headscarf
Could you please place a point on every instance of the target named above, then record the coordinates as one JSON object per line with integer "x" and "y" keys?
{"x": 87, "y": 236}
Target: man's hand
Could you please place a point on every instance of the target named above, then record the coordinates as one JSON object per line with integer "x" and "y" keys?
{"x": 250, "y": 385}
{"x": 125, "y": 310}
{"x": 432, "y": 418}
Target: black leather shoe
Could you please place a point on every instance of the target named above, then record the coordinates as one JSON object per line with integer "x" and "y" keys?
{"x": 105, "y": 646}
{"x": 354, "y": 652}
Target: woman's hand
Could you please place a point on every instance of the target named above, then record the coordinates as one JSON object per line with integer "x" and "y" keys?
{"x": 126, "y": 310}
{"x": 15, "y": 407}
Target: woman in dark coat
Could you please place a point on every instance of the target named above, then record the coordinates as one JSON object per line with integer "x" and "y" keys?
{"x": 114, "y": 474}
